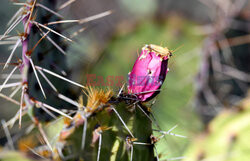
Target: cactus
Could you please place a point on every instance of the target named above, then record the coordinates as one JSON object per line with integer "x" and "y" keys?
{"x": 110, "y": 126}
{"x": 226, "y": 136}
{"x": 50, "y": 56}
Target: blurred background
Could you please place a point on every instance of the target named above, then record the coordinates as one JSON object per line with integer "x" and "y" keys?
{"x": 206, "y": 91}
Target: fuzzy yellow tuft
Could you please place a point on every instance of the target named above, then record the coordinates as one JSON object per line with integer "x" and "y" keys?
{"x": 66, "y": 121}
{"x": 97, "y": 98}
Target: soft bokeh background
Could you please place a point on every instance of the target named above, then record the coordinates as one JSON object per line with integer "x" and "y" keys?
{"x": 109, "y": 46}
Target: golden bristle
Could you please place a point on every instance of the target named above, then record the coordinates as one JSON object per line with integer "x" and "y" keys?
{"x": 67, "y": 121}
{"x": 104, "y": 128}
{"x": 97, "y": 97}
{"x": 80, "y": 101}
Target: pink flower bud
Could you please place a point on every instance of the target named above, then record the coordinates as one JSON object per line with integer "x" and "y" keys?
{"x": 149, "y": 72}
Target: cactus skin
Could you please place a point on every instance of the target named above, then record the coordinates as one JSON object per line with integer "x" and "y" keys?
{"x": 46, "y": 55}
{"x": 114, "y": 146}
{"x": 227, "y": 137}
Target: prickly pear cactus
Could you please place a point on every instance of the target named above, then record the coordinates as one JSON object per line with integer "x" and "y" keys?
{"x": 118, "y": 127}
{"x": 109, "y": 126}
{"x": 226, "y": 138}
{"x": 49, "y": 54}
{"x": 107, "y": 129}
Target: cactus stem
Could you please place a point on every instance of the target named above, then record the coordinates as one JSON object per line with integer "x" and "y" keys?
{"x": 118, "y": 115}
{"x": 152, "y": 120}
{"x": 131, "y": 142}
{"x": 147, "y": 115}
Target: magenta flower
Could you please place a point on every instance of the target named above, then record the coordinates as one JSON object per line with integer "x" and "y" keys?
{"x": 149, "y": 72}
